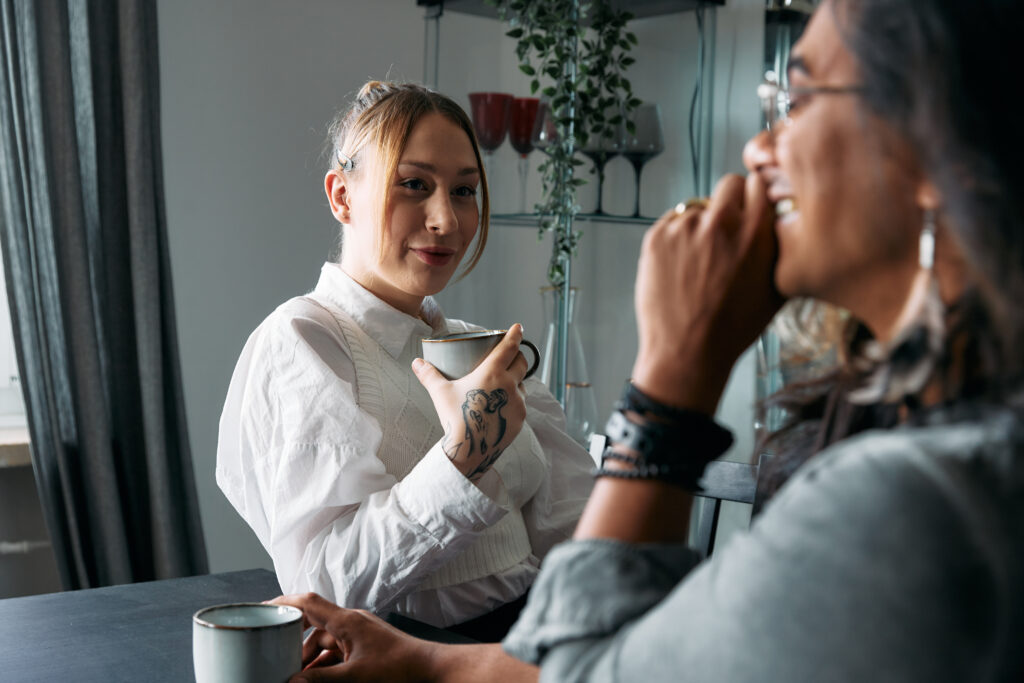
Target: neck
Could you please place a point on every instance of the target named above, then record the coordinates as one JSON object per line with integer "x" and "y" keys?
{"x": 404, "y": 302}
{"x": 882, "y": 304}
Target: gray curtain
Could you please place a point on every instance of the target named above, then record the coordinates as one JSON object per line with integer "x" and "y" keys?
{"x": 86, "y": 259}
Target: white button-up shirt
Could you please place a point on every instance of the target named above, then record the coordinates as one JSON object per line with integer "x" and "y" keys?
{"x": 297, "y": 458}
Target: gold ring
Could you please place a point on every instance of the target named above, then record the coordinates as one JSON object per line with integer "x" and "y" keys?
{"x": 692, "y": 203}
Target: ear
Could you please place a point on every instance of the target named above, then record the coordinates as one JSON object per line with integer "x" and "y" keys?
{"x": 336, "y": 187}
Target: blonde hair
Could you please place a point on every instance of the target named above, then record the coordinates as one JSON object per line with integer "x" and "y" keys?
{"x": 383, "y": 116}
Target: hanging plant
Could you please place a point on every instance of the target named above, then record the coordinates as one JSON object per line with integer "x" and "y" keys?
{"x": 580, "y": 71}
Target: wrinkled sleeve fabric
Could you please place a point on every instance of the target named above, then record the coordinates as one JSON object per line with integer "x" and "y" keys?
{"x": 864, "y": 567}
{"x": 297, "y": 459}
{"x": 553, "y": 511}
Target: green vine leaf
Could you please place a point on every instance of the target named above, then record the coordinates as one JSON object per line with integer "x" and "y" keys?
{"x": 588, "y": 95}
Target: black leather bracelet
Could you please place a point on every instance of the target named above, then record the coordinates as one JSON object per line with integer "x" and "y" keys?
{"x": 697, "y": 436}
{"x": 637, "y": 401}
{"x": 670, "y": 444}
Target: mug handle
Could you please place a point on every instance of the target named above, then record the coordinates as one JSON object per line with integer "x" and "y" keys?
{"x": 536, "y": 358}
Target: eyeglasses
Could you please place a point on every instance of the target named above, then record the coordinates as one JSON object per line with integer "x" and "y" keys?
{"x": 778, "y": 101}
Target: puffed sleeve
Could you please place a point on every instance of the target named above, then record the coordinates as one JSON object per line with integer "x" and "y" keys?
{"x": 297, "y": 459}
{"x": 864, "y": 567}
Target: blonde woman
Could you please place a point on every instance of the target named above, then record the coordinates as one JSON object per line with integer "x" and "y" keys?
{"x": 350, "y": 457}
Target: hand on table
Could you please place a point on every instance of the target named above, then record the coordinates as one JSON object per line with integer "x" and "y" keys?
{"x": 354, "y": 645}
{"x": 482, "y": 412}
{"x": 704, "y": 291}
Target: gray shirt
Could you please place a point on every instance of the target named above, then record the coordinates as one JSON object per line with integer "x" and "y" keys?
{"x": 893, "y": 556}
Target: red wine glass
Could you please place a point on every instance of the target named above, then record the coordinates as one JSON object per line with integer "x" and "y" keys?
{"x": 520, "y": 134}
{"x": 490, "y": 120}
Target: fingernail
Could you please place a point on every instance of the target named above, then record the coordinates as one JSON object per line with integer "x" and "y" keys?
{"x": 416, "y": 363}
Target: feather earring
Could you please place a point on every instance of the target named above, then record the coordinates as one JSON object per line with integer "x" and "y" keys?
{"x": 902, "y": 367}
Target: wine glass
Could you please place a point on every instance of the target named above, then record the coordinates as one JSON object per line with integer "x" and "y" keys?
{"x": 604, "y": 145}
{"x": 490, "y": 121}
{"x": 644, "y": 143}
{"x": 520, "y": 134}
{"x": 545, "y": 131}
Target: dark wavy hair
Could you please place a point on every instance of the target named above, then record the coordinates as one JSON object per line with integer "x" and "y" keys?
{"x": 936, "y": 72}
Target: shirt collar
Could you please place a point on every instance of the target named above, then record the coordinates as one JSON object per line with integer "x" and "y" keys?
{"x": 386, "y": 325}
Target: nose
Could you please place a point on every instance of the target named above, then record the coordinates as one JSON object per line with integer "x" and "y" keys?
{"x": 441, "y": 217}
{"x": 759, "y": 152}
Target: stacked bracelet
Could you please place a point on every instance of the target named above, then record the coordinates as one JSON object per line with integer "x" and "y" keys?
{"x": 675, "y": 446}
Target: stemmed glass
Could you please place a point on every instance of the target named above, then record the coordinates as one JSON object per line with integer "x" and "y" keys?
{"x": 644, "y": 143}
{"x": 545, "y": 131}
{"x": 490, "y": 120}
{"x": 604, "y": 146}
{"x": 520, "y": 134}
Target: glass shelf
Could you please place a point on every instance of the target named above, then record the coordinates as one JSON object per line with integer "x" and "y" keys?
{"x": 639, "y": 8}
{"x": 530, "y": 220}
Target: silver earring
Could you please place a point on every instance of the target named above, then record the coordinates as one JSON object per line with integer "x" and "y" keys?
{"x": 926, "y": 241}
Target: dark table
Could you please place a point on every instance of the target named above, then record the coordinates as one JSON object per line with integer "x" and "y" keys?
{"x": 136, "y": 632}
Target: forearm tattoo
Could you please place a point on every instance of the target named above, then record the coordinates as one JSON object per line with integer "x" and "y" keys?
{"x": 485, "y": 428}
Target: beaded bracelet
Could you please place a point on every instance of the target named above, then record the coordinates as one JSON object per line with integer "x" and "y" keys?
{"x": 685, "y": 477}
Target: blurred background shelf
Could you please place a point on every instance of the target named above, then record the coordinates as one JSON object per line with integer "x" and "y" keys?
{"x": 639, "y": 8}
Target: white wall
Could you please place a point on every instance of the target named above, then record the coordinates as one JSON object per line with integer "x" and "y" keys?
{"x": 247, "y": 89}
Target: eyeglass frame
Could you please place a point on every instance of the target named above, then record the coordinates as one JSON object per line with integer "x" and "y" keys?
{"x": 777, "y": 102}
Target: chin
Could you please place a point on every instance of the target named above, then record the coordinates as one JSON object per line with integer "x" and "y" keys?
{"x": 784, "y": 280}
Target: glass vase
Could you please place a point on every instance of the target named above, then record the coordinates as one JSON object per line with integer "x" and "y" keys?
{"x": 579, "y": 402}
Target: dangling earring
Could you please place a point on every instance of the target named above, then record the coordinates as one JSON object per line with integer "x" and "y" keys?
{"x": 904, "y": 366}
{"x": 926, "y": 241}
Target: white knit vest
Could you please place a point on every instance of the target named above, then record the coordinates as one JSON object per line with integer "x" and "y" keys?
{"x": 387, "y": 389}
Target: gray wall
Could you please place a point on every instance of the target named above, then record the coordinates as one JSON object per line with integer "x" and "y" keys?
{"x": 247, "y": 89}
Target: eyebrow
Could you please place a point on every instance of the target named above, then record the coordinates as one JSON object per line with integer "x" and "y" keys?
{"x": 468, "y": 170}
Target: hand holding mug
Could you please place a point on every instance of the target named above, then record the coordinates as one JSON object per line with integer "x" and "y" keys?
{"x": 482, "y": 412}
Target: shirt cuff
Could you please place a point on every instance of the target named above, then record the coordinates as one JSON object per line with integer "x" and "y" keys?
{"x": 446, "y": 503}
{"x": 590, "y": 589}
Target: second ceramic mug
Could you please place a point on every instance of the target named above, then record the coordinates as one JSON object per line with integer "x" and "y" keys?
{"x": 457, "y": 355}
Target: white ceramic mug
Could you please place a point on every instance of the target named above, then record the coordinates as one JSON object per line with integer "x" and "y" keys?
{"x": 457, "y": 355}
{"x": 246, "y": 643}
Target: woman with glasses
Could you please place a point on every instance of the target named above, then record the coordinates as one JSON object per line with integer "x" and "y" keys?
{"x": 889, "y": 184}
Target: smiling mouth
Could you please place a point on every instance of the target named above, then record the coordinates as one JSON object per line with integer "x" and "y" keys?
{"x": 434, "y": 256}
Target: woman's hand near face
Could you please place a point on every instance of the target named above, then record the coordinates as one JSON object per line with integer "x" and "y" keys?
{"x": 704, "y": 291}
{"x": 482, "y": 412}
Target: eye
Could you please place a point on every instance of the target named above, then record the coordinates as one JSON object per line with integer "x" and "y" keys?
{"x": 465, "y": 191}
{"x": 414, "y": 184}
{"x": 798, "y": 97}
